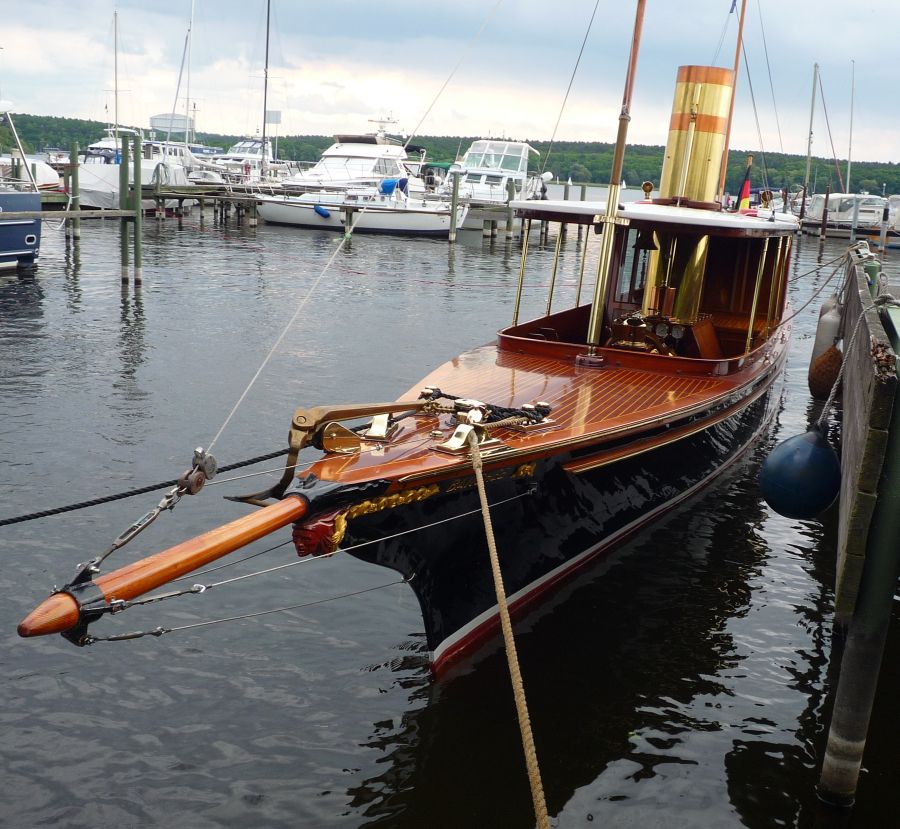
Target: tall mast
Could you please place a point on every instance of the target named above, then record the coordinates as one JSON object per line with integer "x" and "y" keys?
{"x": 188, "y": 124}
{"x": 852, "y": 90}
{"x": 615, "y": 185}
{"x": 737, "y": 65}
{"x": 116, "y": 75}
{"x": 812, "y": 107}
{"x": 265, "y": 85}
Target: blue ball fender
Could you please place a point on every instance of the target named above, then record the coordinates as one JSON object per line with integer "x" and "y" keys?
{"x": 801, "y": 477}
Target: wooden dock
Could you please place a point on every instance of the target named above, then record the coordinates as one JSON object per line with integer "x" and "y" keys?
{"x": 868, "y": 553}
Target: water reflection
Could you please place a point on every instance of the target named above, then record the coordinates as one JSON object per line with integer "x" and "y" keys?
{"x": 132, "y": 347}
{"x": 635, "y": 674}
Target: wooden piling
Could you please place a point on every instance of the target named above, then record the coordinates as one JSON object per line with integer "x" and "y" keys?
{"x": 823, "y": 228}
{"x": 869, "y": 525}
{"x": 123, "y": 205}
{"x": 75, "y": 191}
{"x": 138, "y": 217}
{"x": 454, "y": 205}
{"x": 582, "y": 197}
{"x": 510, "y": 217}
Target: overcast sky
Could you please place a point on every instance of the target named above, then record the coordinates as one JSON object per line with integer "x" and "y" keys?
{"x": 334, "y": 65}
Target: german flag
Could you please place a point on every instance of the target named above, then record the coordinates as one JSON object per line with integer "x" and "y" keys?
{"x": 744, "y": 198}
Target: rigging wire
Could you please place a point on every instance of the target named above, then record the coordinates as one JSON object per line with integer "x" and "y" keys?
{"x": 453, "y": 71}
{"x": 282, "y": 335}
{"x": 722, "y": 35}
{"x": 828, "y": 127}
{"x": 159, "y": 631}
{"x": 762, "y": 151}
{"x": 569, "y": 89}
{"x": 769, "y": 68}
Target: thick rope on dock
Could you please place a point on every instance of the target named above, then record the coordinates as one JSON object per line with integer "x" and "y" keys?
{"x": 531, "y": 761}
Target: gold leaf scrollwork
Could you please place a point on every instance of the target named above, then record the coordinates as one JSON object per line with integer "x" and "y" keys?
{"x": 398, "y": 499}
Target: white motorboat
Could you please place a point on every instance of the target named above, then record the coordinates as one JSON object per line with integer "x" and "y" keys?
{"x": 382, "y": 209}
{"x": 362, "y": 161}
{"x": 485, "y": 172}
{"x": 99, "y": 169}
{"x": 248, "y": 163}
{"x": 846, "y": 211}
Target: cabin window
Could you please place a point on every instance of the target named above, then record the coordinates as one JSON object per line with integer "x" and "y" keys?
{"x": 631, "y": 275}
{"x": 699, "y": 295}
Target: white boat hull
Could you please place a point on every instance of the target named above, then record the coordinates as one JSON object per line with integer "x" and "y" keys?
{"x": 387, "y": 215}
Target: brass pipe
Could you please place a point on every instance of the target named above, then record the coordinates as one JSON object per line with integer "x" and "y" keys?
{"x": 689, "y": 142}
{"x": 526, "y": 232}
{"x": 581, "y": 269}
{"x": 759, "y": 276}
{"x": 559, "y": 238}
{"x": 774, "y": 285}
{"x": 595, "y": 323}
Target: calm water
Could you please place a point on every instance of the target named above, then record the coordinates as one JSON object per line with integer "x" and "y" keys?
{"x": 682, "y": 683}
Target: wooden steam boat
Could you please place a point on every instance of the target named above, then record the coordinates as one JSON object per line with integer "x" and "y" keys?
{"x": 590, "y": 422}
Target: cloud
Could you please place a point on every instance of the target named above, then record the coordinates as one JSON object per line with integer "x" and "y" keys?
{"x": 335, "y": 65}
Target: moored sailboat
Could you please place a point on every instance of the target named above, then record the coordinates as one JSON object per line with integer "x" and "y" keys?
{"x": 580, "y": 426}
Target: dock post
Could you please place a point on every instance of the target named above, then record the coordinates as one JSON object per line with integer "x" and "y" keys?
{"x": 582, "y": 197}
{"x": 74, "y": 190}
{"x": 348, "y": 222}
{"x": 123, "y": 205}
{"x": 510, "y": 218}
{"x": 823, "y": 228}
{"x": 855, "y": 221}
{"x": 454, "y": 205}
{"x": 138, "y": 217}
{"x": 253, "y": 221}
{"x": 885, "y": 215}
{"x": 563, "y": 229}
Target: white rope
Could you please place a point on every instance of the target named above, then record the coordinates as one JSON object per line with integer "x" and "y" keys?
{"x": 283, "y": 334}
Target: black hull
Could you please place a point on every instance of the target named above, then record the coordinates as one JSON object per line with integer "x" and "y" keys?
{"x": 547, "y": 522}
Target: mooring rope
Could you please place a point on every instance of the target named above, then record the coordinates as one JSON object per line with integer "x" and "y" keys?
{"x": 534, "y": 772}
{"x": 881, "y": 299}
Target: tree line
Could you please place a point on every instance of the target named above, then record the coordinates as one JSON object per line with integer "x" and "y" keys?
{"x": 584, "y": 162}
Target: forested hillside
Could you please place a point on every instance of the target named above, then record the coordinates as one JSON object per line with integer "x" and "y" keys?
{"x": 583, "y": 162}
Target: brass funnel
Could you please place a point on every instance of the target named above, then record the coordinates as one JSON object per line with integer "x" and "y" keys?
{"x": 697, "y": 132}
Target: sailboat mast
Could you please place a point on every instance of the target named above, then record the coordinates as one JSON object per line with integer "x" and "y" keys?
{"x": 852, "y": 90}
{"x": 737, "y": 64}
{"x": 265, "y": 84}
{"x": 116, "y": 75}
{"x": 812, "y": 107}
{"x": 615, "y": 185}
{"x": 188, "y": 124}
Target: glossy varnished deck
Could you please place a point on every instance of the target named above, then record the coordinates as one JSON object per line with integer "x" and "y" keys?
{"x": 588, "y": 406}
